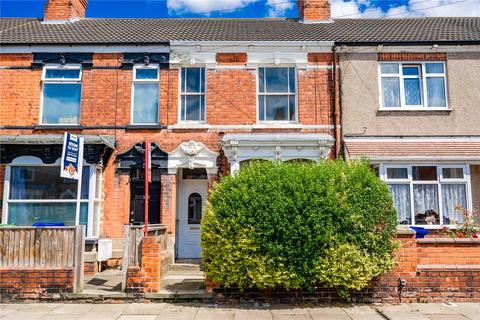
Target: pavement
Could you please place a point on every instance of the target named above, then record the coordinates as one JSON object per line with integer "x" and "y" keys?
{"x": 166, "y": 311}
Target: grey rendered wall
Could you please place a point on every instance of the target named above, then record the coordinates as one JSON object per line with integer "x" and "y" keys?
{"x": 360, "y": 100}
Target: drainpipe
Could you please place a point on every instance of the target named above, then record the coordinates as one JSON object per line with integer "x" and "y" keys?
{"x": 337, "y": 131}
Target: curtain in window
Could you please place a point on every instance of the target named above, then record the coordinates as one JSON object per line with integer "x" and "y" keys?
{"x": 453, "y": 195}
{"x": 401, "y": 202}
{"x": 391, "y": 92}
{"x": 435, "y": 92}
{"x": 412, "y": 92}
{"x": 425, "y": 201}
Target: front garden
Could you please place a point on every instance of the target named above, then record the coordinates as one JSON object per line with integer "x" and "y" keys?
{"x": 298, "y": 226}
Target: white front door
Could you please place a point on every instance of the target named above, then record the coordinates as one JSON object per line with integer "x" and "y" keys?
{"x": 191, "y": 203}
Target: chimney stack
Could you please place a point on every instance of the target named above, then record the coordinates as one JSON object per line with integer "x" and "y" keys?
{"x": 65, "y": 10}
{"x": 314, "y": 10}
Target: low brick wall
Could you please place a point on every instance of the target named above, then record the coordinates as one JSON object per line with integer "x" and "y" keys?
{"x": 35, "y": 283}
{"x": 434, "y": 270}
{"x": 154, "y": 262}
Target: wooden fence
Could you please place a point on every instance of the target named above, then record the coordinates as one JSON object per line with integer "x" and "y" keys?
{"x": 45, "y": 247}
{"x": 132, "y": 243}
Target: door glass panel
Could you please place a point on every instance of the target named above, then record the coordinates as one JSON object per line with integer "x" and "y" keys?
{"x": 194, "y": 208}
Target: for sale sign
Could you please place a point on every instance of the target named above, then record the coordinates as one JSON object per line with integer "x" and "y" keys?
{"x": 72, "y": 156}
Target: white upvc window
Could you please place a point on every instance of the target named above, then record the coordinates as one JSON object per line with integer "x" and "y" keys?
{"x": 428, "y": 194}
{"x": 61, "y": 95}
{"x": 192, "y": 95}
{"x": 413, "y": 85}
{"x": 277, "y": 94}
{"x": 145, "y": 95}
{"x": 34, "y": 193}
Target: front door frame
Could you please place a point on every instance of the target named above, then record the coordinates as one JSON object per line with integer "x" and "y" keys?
{"x": 187, "y": 187}
{"x": 189, "y": 154}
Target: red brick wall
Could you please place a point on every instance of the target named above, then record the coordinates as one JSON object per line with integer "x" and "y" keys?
{"x": 154, "y": 263}
{"x": 412, "y": 56}
{"x": 106, "y": 101}
{"x": 35, "y": 283}
{"x": 314, "y": 9}
{"x": 65, "y": 9}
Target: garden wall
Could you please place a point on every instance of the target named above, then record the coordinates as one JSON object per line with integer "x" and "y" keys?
{"x": 434, "y": 269}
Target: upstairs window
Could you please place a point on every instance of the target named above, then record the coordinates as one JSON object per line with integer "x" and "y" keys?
{"x": 62, "y": 86}
{"x": 192, "y": 94}
{"x": 277, "y": 94}
{"x": 413, "y": 85}
{"x": 146, "y": 93}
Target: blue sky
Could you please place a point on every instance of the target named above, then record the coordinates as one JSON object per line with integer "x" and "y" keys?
{"x": 250, "y": 8}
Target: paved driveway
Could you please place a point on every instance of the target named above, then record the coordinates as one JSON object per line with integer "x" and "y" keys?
{"x": 164, "y": 311}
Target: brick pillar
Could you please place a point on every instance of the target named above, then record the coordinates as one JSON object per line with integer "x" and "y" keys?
{"x": 169, "y": 208}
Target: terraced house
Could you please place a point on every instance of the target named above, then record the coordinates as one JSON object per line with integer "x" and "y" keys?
{"x": 212, "y": 94}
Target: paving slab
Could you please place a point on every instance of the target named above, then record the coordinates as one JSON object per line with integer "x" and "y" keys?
{"x": 61, "y": 317}
{"x": 362, "y": 313}
{"x": 144, "y": 308}
{"x": 137, "y": 317}
{"x": 333, "y": 313}
{"x": 8, "y": 308}
{"x": 433, "y": 308}
{"x": 450, "y": 317}
{"x": 72, "y": 309}
{"x": 214, "y": 314}
{"x": 252, "y": 314}
{"x": 405, "y": 315}
{"x": 20, "y": 315}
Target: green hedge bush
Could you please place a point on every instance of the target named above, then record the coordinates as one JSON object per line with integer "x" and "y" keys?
{"x": 296, "y": 226}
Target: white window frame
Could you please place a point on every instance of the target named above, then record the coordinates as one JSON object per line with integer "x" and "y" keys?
{"x": 46, "y": 80}
{"x": 295, "y": 94}
{"x": 439, "y": 182}
{"x": 154, "y": 81}
{"x": 423, "y": 84}
{"x": 91, "y": 200}
{"x": 181, "y": 95}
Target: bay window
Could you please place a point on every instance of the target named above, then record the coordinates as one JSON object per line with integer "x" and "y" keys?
{"x": 192, "y": 94}
{"x": 277, "y": 94}
{"x": 36, "y": 194}
{"x": 146, "y": 94}
{"x": 428, "y": 194}
{"x": 61, "y": 95}
{"x": 413, "y": 85}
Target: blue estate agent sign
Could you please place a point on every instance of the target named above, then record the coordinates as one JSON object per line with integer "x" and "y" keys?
{"x": 72, "y": 155}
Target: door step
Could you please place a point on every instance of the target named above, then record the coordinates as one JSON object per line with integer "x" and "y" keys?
{"x": 186, "y": 265}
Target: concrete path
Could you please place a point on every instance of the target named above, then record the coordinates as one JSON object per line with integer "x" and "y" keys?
{"x": 165, "y": 311}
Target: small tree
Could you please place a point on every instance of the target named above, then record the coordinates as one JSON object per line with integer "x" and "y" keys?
{"x": 297, "y": 225}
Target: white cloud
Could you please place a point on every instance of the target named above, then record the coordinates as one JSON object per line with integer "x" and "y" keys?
{"x": 414, "y": 8}
{"x": 205, "y": 6}
{"x": 277, "y": 8}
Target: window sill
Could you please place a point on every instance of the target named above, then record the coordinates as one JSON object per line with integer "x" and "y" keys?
{"x": 414, "y": 110}
{"x": 145, "y": 126}
{"x": 193, "y": 125}
{"x": 281, "y": 125}
{"x": 58, "y": 126}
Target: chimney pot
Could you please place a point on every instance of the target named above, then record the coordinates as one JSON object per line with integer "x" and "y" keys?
{"x": 65, "y": 9}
